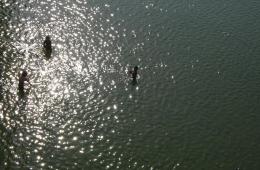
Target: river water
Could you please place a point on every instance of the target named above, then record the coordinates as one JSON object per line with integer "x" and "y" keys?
{"x": 196, "y": 104}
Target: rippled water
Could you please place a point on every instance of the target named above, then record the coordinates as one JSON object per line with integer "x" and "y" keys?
{"x": 195, "y": 104}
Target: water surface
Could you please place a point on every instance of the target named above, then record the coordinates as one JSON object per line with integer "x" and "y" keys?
{"x": 195, "y": 104}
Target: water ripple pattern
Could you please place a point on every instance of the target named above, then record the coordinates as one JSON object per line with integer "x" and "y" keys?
{"x": 195, "y": 104}
{"x": 68, "y": 112}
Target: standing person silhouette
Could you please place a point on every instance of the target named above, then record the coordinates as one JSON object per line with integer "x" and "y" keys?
{"x": 134, "y": 73}
{"x": 24, "y": 77}
{"x": 47, "y": 46}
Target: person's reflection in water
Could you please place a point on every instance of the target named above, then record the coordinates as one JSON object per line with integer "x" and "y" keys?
{"x": 21, "y": 86}
{"x": 47, "y": 47}
{"x": 134, "y": 75}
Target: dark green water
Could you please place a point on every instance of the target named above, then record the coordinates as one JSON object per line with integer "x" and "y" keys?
{"x": 196, "y": 105}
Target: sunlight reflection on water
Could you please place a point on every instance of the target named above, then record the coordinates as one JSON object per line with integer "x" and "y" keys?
{"x": 64, "y": 86}
{"x": 70, "y": 110}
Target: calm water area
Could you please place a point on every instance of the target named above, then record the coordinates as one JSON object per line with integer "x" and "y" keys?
{"x": 195, "y": 106}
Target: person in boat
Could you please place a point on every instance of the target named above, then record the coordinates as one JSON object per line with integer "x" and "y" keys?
{"x": 22, "y": 79}
{"x": 134, "y": 73}
{"x": 47, "y": 44}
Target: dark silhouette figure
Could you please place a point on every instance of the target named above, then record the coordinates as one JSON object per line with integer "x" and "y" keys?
{"x": 47, "y": 46}
{"x": 22, "y": 79}
{"x": 134, "y": 74}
